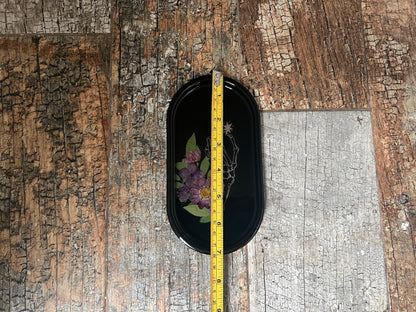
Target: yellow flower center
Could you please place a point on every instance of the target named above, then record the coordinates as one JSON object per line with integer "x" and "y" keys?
{"x": 204, "y": 192}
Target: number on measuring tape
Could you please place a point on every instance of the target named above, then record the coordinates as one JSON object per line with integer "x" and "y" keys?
{"x": 217, "y": 239}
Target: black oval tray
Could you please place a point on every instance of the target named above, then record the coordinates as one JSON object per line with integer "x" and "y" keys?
{"x": 188, "y": 129}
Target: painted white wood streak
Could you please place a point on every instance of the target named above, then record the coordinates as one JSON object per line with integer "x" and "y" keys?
{"x": 320, "y": 245}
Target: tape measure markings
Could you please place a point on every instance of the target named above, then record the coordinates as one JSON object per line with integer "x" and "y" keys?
{"x": 217, "y": 227}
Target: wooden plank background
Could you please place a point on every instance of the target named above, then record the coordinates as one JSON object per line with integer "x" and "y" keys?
{"x": 320, "y": 246}
{"x": 84, "y": 91}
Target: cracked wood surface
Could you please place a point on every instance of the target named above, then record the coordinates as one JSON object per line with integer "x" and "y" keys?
{"x": 50, "y": 16}
{"x": 304, "y": 54}
{"x": 320, "y": 246}
{"x": 298, "y": 54}
{"x": 389, "y": 31}
{"x": 54, "y": 102}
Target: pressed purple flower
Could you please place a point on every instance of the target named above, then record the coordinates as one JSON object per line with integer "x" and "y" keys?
{"x": 194, "y": 186}
{"x": 200, "y": 193}
{"x": 196, "y": 176}
{"x": 183, "y": 193}
{"x": 193, "y": 156}
{"x": 186, "y": 173}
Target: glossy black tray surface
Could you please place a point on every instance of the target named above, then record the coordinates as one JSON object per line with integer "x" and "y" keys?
{"x": 188, "y": 165}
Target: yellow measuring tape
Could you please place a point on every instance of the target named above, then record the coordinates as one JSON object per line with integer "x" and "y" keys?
{"x": 217, "y": 227}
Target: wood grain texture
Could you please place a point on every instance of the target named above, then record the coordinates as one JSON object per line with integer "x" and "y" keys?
{"x": 49, "y": 16}
{"x": 319, "y": 247}
{"x": 53, "y": 174}
{"x": 303, "y": 54}
{"x": 389, "y": 33}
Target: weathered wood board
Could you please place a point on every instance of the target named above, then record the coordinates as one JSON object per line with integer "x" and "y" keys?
{"x": 390, "y": 44}
{"x": 320, "y": 245}
{"x": 303, "y": 54}
{"x": 53, "y": 174}
{"x": 50, "y": 16}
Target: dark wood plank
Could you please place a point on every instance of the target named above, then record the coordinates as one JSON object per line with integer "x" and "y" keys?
{"x": 54, "y": 104}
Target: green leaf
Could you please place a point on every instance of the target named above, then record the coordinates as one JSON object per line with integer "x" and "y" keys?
{"x": 179, "y": 184}
{"x": 204, "y": 165}
{"x": 177, "y": 177}
{"x": 180, "y": 165}
{"x": 205, "y": 219}
{"x": 191, "y": 144}
{"x": 194, "y": 210}
{"x": 209, "y": 174}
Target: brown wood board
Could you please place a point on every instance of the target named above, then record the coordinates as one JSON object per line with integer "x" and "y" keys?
{"x": 54, "y": 104}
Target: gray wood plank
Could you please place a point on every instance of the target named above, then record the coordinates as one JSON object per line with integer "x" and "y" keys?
{"x": 320, "y": 245}
{"x": 49, "y": 16}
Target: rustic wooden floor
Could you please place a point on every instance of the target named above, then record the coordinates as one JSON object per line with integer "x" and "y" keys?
{"x": 84, "y": 89}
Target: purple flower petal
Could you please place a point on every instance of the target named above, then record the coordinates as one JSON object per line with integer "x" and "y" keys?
{"x": 199, "y": 192}
{"x": 195, "y": 198}
{"x": 193, "y": 156}
{"x": 183, "y": 194}
{"x": 186, "y": 173}
{"x": 192, "y": 168}
{"x": 205, "y": 203}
